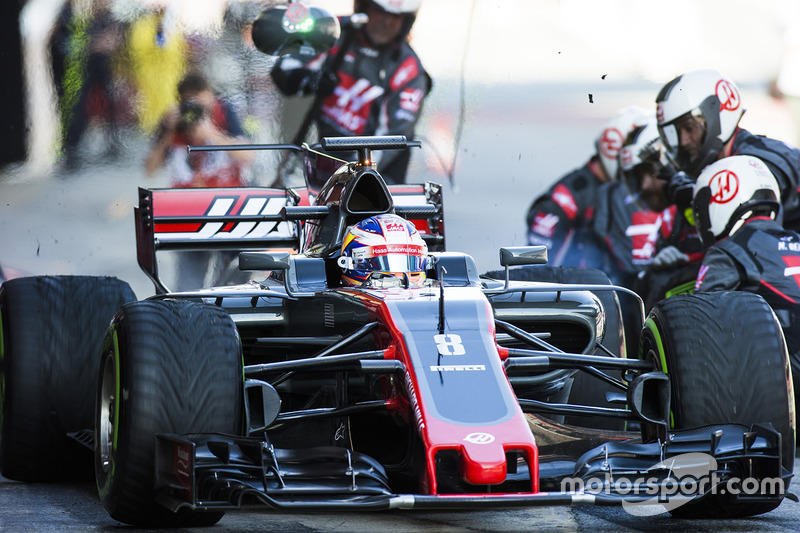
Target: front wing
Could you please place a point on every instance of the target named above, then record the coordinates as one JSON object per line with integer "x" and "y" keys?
{"x": 221, "y": 472}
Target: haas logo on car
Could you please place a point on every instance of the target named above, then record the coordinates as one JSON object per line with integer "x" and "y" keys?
{"x": 479, "y": 438}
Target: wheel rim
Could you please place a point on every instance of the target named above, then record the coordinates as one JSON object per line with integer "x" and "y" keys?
{"x": 107, "y": 413}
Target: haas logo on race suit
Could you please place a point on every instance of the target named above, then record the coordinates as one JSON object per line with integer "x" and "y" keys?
{"x": 349, "y": 105}
{"x": 643, "y": 232}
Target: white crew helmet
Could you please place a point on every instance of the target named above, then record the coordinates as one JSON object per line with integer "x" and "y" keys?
{"x": 710, "y": 97}
{"x": 730, "y": 191}
{"x": 611, "y": 138}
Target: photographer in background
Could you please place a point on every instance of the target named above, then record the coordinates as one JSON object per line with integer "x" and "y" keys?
{"x": 201, "y": 118}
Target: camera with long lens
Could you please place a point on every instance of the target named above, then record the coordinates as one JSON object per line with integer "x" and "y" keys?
{"x": 190, "y": 113}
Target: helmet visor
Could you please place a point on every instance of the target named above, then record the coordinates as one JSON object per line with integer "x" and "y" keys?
{"x": 669, "y": 136}
{"x": 390, "y": 258}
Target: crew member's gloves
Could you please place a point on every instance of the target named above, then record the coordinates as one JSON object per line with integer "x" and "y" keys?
{"x": 680, "y": 189}
{"x": 669, "y": 257}
{"x": 325, "y": 83}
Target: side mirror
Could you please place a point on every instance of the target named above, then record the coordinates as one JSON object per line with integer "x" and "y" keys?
{"x": 295, "y": 29}
{"x": 523, "y": 255}
{"x": 263, "y": 261}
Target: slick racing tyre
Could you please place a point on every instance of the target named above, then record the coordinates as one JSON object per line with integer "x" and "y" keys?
{"x": 52, "y": 331}
{"x": 167, "y": 366}
{"x": 727, "y": 361}
{"x": 586, "y": 389}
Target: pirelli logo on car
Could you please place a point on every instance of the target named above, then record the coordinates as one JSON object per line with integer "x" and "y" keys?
{"x": 458, "y": 368}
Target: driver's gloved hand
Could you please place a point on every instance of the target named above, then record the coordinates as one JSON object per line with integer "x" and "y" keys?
{"x": 680, "y": 189}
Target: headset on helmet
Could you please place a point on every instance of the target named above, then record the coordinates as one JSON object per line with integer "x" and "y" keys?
{"x": 643, "y": 147}
{"x": 730, "y": 191}
{"x": 710, "y": 97}
{"x": 610, "y": 140}
{"x": 385, "y": 244}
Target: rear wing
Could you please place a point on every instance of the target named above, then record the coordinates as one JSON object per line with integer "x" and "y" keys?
{"x": 253, "y": 218}
{"x": 243, "y": 218}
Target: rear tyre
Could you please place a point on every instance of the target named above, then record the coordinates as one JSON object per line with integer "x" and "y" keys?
{"x": 166, "y": 367}
{"x": 727, "y": 360}
{"x": 52, "y": 330}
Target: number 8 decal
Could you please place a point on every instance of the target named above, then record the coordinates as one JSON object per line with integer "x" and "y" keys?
{"x": 449, "y": 344}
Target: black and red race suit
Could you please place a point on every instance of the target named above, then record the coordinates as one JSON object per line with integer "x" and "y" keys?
{"x": 671, "y": 229}
{"x": 626, "y": 229}
{"x": 561, "y": 219}
{"x": 764, "y": 258}
{"x": 378, "y": 91}
{"x": 783, "y": 161}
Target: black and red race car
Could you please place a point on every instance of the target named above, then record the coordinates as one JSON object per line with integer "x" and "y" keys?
{"x": 295, "y": 392}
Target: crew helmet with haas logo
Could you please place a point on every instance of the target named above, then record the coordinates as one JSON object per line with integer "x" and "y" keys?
{"x": 713, "y": 101}
{"x": 729, "y": 192}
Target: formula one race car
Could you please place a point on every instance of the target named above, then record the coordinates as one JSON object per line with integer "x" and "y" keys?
{"x": 443, "y": 390}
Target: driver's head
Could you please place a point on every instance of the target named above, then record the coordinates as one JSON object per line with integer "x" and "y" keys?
{"x": 697, "y": 112}
{"x": 388, "y": 245}
{"x": 389, "y": 20}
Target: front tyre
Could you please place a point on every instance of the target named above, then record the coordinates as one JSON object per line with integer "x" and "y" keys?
{"x": 727, "y": 360}
{"x": 167, "y": 366}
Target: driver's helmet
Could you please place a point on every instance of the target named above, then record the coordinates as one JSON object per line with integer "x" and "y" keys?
{"x": 385, "y": 244}
{"x": 713, "y": 100}
{"x": 610, "y": 140}
{"x": 642, "y": 152}
{"x": 730, "y": 191}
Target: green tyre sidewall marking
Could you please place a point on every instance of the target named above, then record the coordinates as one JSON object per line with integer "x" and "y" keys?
{"x": 651, "y": 325}
{"x": 683, "y": 288}
{"x": 112, "y": 456}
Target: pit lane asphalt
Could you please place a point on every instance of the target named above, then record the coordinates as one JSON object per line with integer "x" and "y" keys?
{"x": 48, "y": 508}
{"x": 80, "y": 222}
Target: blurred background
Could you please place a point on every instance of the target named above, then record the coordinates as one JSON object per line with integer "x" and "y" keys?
{"x": 521, "y": 89}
